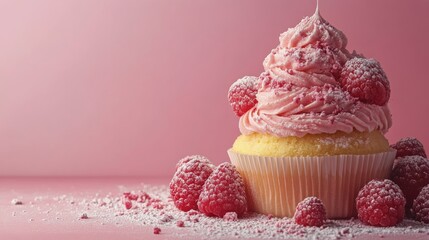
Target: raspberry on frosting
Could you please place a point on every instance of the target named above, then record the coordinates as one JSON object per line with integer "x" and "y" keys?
{"x": 380, "y": 203}
{"x": 242, "y": 94}
{"x": 421, "y": 205}
{"x": 187, "y": 183}
{"x": 223, "y": 192}
{"x": 365, "y": 80}
{"x": 310, "y": 212}
{"x": 411, "y": 173}
{"x": 408, "y": 147}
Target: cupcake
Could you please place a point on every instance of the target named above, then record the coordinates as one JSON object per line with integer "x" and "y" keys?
{"x": 312, "y": 123}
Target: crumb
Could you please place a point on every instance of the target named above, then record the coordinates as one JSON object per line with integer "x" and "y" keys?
{"x": 16, "y": 202}
{"x": 156, "y": 230}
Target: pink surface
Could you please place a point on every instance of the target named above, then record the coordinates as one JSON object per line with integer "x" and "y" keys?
{"x": 106, "y": 87}
{"x": 49, "y": 219}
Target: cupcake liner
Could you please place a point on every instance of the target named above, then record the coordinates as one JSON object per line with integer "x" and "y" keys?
{"x": 275, "y": 185}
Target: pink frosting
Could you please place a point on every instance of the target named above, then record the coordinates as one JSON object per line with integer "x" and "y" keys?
{"x": 299, "y": 93}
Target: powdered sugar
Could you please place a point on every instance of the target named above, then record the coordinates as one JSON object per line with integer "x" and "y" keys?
{"x": 343, "y": 142}
{"x": 108, "y": 209}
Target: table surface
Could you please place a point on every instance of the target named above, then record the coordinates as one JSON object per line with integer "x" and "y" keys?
{"x": 45, "y": 213}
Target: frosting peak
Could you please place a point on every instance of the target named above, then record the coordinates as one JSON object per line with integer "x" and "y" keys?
{"x": 314, "y": 30}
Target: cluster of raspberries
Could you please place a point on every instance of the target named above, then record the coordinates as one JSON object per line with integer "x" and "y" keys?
{"x": 220, "y": 191}
{"x": 214, "y": 191}
{"x": 386, "y": 202}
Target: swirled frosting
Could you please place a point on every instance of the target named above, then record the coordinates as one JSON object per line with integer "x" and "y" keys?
{"x": 299, "y": 92}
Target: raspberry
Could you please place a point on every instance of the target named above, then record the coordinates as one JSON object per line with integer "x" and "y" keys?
{"x": 242, "y": 94}
{"x": 223, "y": 192}
{"x": 187, "y": 183}
{"x": 421, "y": 205}
{"x": 380, "y": 203}
{"x": 310, "y": 212}
{"x": 411, "y": 173}
{"x": 365, "y": 80}
{"x": 409, "y": 147}
{"x": 156, "y": 230}
{"x": 189, "y": 158}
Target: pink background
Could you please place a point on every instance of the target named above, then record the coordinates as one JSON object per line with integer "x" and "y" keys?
{"x": 127, "y": 88}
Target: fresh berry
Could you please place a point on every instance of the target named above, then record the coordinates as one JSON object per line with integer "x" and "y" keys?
{"x": 187, "y": 183}
{"x": 421, "y": 205}
{"x": 223, "y": 192}
{"x": 409, "y": 147}
{"x": 242, "y": 94}
{"x": 310, "y": 212}
{"x": 380, "y": 203}
{"x": 365, "y": 79}
{"x": 156, "y": 230}
{"x": 189, "y": 158}
{"x": 411, "y": 173}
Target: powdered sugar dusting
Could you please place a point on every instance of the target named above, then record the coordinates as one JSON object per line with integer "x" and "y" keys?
{"x": 343, "y": 142}
{"x": 108, "y": 209}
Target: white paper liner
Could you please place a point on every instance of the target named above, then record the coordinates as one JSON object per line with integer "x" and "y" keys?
{"x": 275, "y": 185}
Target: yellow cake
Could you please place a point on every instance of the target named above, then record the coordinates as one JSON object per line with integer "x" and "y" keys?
{"x": 324, "y": 144}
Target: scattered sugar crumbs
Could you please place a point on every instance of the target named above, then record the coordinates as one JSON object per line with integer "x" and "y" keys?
{"x": 152, "y": 206}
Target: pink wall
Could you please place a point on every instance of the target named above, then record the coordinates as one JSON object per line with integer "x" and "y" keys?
{"x": 128, "y": 87}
